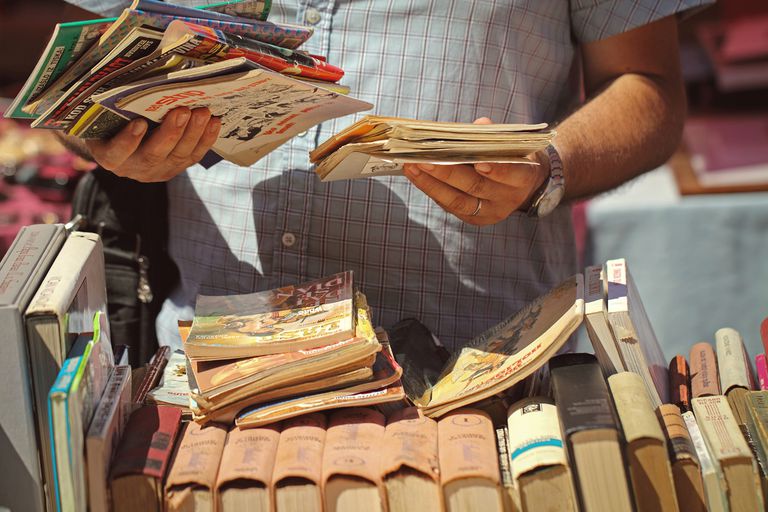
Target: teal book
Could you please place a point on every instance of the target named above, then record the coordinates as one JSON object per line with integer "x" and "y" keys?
{"x": 71, "y": 403}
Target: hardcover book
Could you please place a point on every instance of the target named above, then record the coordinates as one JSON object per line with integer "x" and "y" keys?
{"x": 21, "y": 271}
{"x": 645, "y": 449}
{"x": 540, "y": 469}
{"x": 703, "y": 368}
{"x": 351, "y": 465}
{"x": 409, "y": 462}
{"x": 591, "y": 430}
{"x": 142, "y": 459}
{"x": 71, "y": 293}
{"x": 244, "y": 481}
{"x": 192, "y": 476}
{"x": 297, "y": 476}
{"x": 469, "y": 469}
{"x": 680, "y": 383}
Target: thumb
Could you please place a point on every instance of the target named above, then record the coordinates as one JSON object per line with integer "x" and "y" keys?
{"x": 482, "y": 120}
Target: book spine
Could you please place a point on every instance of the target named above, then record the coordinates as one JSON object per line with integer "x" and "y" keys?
{"x": 679, "y": 383}
{"x": 21, "y": 261}
{"x": 703, "y": 371}
{"x": 764, "y": 334}
{"x": 732, "y": 367}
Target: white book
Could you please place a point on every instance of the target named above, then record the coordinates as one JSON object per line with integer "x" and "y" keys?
{"x": 714, "y": 484}
{"x": 71, "y": 293}
{"x": 596, "y": 320}
{"x": 21, "y": 271}
{"x": 733, "y": 368}
{"x": 639, "y": 348}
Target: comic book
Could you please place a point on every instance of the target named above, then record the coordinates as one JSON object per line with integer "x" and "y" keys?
{"x": 302, "y": 316}
{"x": 509, "y": 351}
{"x": 67, "y": 43}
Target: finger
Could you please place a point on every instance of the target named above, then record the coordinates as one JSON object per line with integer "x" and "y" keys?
{"x": 112, "y": 153}
{"x": 452, "y": 200}
{"x": 164, "y": 138}
{"x": 198, "y": 121}
{"x": 517, "y": 175}
{"x": 466, "y": 179}
{"x": 482, "y": 120}
{"x": 208, "y": 138}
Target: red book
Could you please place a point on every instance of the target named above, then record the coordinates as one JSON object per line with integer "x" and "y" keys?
{"x": 680, "y": 383}
{"x": 142, "y": 459}
{"x": 764, "y": 334}
{"x": 762, "y": 371}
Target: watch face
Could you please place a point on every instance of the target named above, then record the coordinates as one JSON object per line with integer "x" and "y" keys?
{"x": 550, "y": 200}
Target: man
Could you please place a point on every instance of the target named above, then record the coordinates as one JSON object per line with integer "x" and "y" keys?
{"x": 459, "y": 247}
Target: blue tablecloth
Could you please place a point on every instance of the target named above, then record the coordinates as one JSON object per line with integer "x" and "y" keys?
{"x": 700, "y": 262}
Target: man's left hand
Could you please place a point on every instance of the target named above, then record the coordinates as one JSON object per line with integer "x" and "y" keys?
{"x": 483, "y": 193}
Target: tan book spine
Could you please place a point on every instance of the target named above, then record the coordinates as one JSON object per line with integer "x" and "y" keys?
{"x": 249, "y": 454}
{"x": 643, "y": 433}
{"x": 728, "y": 446}
{"x": 410, "y": 440}
{"x": 300, "y": 450}
{"x": 352, "y": 444}
{"x": 732, "y": 366}
{"x": 467, "y": 448}
{"x": 703, "y": 367}
{"x": 195, "y": 465}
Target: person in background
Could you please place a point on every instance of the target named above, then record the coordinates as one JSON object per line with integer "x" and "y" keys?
{"x": 459, "y": 247}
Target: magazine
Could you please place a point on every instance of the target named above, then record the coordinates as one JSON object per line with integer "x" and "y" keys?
{"x": 68, "y": 42}
{"x": 379, "y": 146}
{"x": 303, "y": 316}
{"x": 509, "y": 351}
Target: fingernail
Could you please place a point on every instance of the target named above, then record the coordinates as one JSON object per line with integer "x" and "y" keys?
{"x": 483, "y": 167}
{"x": 138, "y": 127}
{"x": 426, "y": 167}
{"x": 182, "y": 118}
{"x": 214, "y": 124}
{"x": 199, "y": 120}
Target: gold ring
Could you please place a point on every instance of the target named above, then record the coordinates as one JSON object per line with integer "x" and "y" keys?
{"x": 477, "y": 208}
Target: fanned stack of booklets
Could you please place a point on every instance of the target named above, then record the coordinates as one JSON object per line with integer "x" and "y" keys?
{"x": 379, "y": 146}
{"x": 96, "y": 76}
{"x": 287, "y": 351}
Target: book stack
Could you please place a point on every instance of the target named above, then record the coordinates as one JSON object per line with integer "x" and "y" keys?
{"x": 379, "y": 146}
{"x": 96, "y": 76}
{"x": 282, "y": 352}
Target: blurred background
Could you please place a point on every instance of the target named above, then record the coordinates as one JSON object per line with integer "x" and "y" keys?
{"x": 694, "y": 231}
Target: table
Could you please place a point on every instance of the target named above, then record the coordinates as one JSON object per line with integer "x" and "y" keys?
{"x": 700, "y": 262}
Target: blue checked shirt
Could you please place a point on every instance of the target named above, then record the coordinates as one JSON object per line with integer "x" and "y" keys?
{"x": 238, "y": 230}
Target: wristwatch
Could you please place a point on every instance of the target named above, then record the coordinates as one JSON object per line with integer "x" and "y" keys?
{"x": 551, "y": 192}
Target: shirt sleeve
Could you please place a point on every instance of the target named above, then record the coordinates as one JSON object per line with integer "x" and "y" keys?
{"x": 592, "y": 20}
{"x": 106, "y": 8}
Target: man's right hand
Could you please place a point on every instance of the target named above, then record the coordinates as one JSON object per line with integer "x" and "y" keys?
{"x": 181, "y": 140}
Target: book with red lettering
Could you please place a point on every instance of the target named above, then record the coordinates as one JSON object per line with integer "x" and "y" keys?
{"x": 142, "y": 459}
{"x": 259, "y": 109}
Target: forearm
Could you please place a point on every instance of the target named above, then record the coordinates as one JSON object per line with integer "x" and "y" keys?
{"x": 631, "y": 127}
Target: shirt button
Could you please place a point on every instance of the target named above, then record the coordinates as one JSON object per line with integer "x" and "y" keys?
{"x": 312, "y": 16}
{"x": 289, "y": 239}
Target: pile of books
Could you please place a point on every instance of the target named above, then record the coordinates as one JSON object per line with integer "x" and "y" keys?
{"x": 286, "y": 351}
{"x": 303, "y": 423}
{"x": 95, "y": 76}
